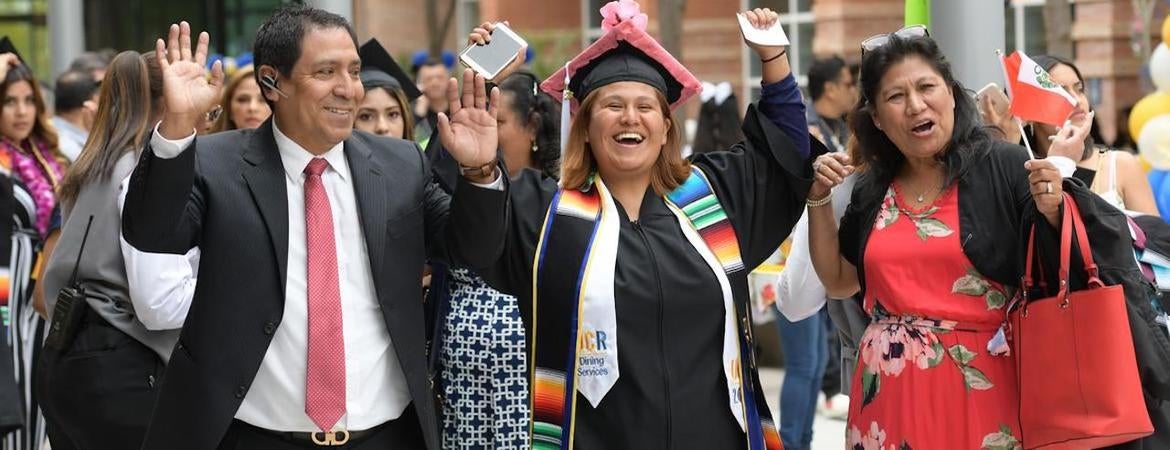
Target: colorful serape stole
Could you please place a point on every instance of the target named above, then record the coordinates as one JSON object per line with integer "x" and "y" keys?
{"x": 575, "y": 214}
{"x": 698, "y": 202}
{"x": 696, "y": 199}
{"x": 572, "y": 215}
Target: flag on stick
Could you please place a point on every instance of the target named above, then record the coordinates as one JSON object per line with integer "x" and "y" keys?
{"x": 1035, "y": 97}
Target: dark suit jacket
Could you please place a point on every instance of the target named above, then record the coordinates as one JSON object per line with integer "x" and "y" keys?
{"x": 226, "y": 194}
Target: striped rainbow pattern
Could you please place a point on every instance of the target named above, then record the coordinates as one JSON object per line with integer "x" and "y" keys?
{"x": 771, "y": 437}
{"x": 4, "y": 286}
{"x": 548, "y": 403}
{"x": 695, "y": 199}
{"x": 583, "y": 205}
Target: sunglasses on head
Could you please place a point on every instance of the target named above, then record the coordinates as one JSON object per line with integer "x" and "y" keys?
{"x": 876, "y": 41}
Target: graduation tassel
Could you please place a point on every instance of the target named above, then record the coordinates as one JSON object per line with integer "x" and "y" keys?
{"x": 565, "y": 100}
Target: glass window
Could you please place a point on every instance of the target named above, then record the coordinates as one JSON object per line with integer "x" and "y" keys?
{"x": 591, "y": 21}
{"x": 469, "y": 17}
{"x": 794, "y": 15}
{"x": 25, "y": 23}
{"x": 135, "y": 24}
{"x": 1024, "y": 27}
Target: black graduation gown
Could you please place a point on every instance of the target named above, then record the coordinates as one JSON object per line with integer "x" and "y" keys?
{"x": 671, "y": 393}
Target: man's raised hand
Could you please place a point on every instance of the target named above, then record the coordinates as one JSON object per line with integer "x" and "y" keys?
{"x": 187, "y": 90}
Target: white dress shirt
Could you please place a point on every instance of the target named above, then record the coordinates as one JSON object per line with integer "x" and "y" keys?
{"x": 161, "y": 284}
{"x": 799, "y": 291}
{"x": 376, "y": 389}
{"x": 71, "y": 138}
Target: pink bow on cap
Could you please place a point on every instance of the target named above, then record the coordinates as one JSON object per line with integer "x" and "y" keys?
{"x": 614, "y": 13}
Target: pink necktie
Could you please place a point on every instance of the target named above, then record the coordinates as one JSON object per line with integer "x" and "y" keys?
{"x": 325, "y": 380}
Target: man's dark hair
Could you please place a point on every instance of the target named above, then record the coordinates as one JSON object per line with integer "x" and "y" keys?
{"x": 278, "y": 40}
{"x": 823, "y": 71}
{"x": 89, "y": 62}
{"x": 430, "y": 61}
{"x": 74, "y": 88}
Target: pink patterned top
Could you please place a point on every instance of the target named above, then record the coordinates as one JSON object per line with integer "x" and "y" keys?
{"x": 40, "y": 171}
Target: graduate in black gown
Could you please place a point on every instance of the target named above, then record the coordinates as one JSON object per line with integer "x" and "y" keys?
{"x": 632, "y": 274}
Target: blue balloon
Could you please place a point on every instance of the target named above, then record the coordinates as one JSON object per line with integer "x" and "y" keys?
{"x": 244, "y": 59}
{"x": 448, "y": 59}
{"x": 212, "y": 58}
{"x": 419, "y": 57}
{"x": 1160, "y": 183}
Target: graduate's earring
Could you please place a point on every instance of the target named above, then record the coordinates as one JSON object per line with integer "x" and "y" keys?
{"x": 534, "y": 147}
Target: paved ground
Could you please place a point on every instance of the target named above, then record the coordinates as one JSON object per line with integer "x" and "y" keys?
{"x": 828, "y": 434}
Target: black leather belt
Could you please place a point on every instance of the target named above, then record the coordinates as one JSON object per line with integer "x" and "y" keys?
{"x": 319, "y": 438}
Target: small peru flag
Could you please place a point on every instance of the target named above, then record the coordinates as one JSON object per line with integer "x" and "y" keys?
{"x": 1035, "y": 97}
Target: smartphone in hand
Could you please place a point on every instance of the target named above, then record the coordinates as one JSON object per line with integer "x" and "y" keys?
{"x": 491, "y": 58}
{"x": 999, "y": 101}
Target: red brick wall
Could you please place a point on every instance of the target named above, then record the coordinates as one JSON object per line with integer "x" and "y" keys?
{"x": 400, "y": 25}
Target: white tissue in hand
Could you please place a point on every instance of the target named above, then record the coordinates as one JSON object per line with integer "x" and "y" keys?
{"x": 772, "y": 36}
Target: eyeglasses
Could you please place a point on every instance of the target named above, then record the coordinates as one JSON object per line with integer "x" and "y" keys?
{"x": 876, "y": 41}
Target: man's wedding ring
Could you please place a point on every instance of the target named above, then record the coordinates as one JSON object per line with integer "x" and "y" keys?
{"x": 1048, "y": 187}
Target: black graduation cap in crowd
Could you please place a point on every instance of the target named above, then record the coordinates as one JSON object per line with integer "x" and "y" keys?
{"x": 380, "y": 70}
{"x": 7, "y": 47}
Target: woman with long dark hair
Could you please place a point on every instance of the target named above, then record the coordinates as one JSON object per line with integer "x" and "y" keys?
{"x": 30, "y": 156}
{"x": 1115, "y": 175}
{"x": 481, "y": 345}
{"x": 385, "y": 110}
{"x": 933, "y": 243}
{"x": 99, "y": 389}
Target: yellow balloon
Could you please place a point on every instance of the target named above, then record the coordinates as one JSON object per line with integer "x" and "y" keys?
{"x": 1166, "y": 31}
{"x": 1145, "y": 165}
{"x": 1149, "y": 106}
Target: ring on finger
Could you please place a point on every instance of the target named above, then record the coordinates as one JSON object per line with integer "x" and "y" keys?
{"x": 1047, "y": 187}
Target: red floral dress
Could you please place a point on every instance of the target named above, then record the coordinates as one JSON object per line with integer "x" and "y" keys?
{"x": 926, "y": 379}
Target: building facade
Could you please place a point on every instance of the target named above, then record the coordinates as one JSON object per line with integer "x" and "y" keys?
{"x": 1103, "y": 34}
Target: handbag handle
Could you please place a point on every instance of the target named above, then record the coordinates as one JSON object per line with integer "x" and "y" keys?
{"x": 1071, "y": 224}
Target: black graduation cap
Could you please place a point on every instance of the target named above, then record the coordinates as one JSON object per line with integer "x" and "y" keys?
{"x": 7, "y": 47}
{"x": 380, "y": 70}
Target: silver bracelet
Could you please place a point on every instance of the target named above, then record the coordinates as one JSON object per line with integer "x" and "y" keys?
{"x": 821, "y": 202}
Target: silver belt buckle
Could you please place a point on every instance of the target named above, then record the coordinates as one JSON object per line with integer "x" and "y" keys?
{"x": 330, "y": 438}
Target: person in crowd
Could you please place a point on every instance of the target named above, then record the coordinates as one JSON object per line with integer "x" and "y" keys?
{"x": 242, "y": 106}
{"x": 385, "y": 110}
{"x": 431, "y": 77}
{"x": 481, "y": 342}
{"x": 29, "y": 152}
{"x": 1115, "y": 175}
{"x": 932, "y": 241}
{"x": 75, "y": 102}
{"x": 834, "y": 92}
{"x": 807, "y": 336}
{"x": 638, "y": 256}
{"x": 99, "y": 392}
{"x": 1124, "y": 141}
{"x": 290, "y": 218}
{"x": 93, "y": 63}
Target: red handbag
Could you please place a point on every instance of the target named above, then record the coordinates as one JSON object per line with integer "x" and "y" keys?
{"x": 1075, "y": 362}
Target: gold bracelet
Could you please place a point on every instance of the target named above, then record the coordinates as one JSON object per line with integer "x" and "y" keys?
{"x": 820, "y": 202}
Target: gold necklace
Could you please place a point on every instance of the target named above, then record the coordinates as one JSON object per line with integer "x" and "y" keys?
{"x": 921, "y": 197}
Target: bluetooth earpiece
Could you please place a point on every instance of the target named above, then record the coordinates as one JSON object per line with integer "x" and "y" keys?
{"x": 270, "y": 82}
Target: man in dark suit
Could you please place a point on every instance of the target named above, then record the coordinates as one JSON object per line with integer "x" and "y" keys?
{"x": 307, "y": 325}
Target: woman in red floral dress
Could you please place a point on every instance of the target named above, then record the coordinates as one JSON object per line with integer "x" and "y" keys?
{"x": 933, "y": 240}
